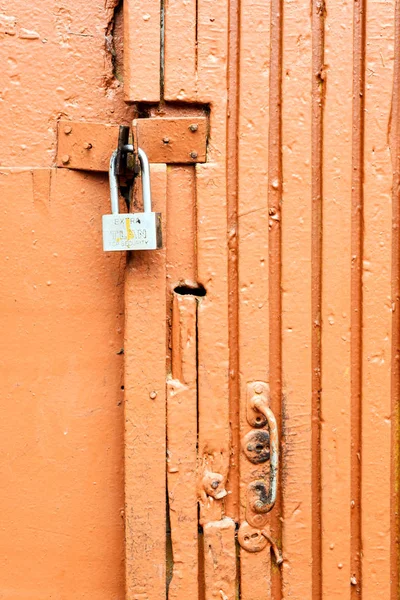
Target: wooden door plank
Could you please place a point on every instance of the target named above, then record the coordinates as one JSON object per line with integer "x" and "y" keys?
{"x": 182, "y": 449}
{"x": 181, "y": 233}
{"x": 296, "y": 303}
{"x": 212, "y": 256}
{"x": 212, "y": 33}
{"x": 145, "y": 401}
{"x": 180, "y": 50}
{"x": 253, "y": 127}
{"x": 142, "y": 44}
{"x": 376, "y": 382}
{"x": 212, "y": 267}
{"x": 220, "y": 560}
{"x": 212, "y": 53}
{"x": 62, "y": 433}
{"x": 255, "y": 568}
{"x": 213, "y": 386}
{"x": 336, "y": 302}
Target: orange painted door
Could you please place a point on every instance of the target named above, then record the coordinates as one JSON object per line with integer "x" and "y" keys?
{"x": 217, "y": 419}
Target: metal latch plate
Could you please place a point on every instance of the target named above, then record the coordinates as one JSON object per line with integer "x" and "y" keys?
{"x": 88, "y": 146}
{"x": 173, "y": 139}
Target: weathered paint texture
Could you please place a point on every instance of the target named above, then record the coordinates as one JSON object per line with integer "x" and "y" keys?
{"x": 61, "y": 448}
{"x": 182, "y": 449}
{"x": 129, "y": 384}
{"x": 62, "y": 314}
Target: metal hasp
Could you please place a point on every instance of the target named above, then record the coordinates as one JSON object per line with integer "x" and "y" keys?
{"x": 131, "y": 231}
{"x": 172, "y": 139}
{"x": 85, "y": 146}
{"x": 169, "y": 140}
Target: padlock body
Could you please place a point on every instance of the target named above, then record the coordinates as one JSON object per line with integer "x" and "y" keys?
{"x": 132, "y": 231}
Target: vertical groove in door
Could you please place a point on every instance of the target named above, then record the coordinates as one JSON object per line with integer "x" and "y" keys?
{"x": 356, "y": 290}
{"x": 274, "y": 209}
{"x": 317, "y": 90}
{"x": 232, "y": 502}
{"x": 395, "y": 383}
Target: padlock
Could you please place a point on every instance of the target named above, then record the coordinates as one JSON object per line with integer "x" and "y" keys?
{"x": 131, "y": 231}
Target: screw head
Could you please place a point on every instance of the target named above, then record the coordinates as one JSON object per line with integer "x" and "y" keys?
{"x": 153, "y": 395}
{"x": 65, "y": 159}
{"x": 166, "y": 140}
{"x": 258, "y": 388}
{"x": 87, "y": 145}
{"x": 67, "y": 129}
{"x": 193, "y": 155}
{"x": 193, "y": 127}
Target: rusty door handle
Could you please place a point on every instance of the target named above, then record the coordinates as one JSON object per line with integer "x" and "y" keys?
{"x": 266, "y": 500}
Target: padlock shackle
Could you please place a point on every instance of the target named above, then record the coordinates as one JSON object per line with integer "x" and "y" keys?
{"x": 114, "y": 184}
{"x": 146, "y": 190}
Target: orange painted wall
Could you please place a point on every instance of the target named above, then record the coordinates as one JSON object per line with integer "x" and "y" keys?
{"x": 61, "y": 312}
